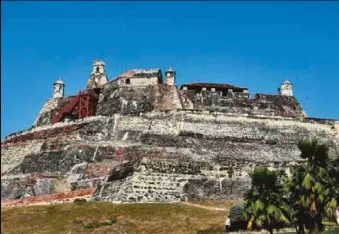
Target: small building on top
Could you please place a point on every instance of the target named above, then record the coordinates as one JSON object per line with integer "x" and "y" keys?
{"x": 140, "y": 77}
{"x": 224, "y": 90}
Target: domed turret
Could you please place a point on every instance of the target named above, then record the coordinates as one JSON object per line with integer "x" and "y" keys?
{"x": 286, "y": 88}
{"x": 98, "y": 77}
{"x": 58, "y": 89}
{"x": 98, "y": 67}
{"x": 170, "y": 76}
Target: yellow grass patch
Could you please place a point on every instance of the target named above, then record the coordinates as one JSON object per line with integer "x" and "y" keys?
{"x": 100, "y": 217}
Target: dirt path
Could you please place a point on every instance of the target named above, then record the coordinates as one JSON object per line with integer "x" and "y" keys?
{"x": 205, "y": 207}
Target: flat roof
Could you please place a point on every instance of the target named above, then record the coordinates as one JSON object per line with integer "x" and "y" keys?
{"x": 212, "y": 85}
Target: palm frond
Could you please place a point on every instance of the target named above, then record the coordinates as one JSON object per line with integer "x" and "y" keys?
{"x": 307, "y": 181}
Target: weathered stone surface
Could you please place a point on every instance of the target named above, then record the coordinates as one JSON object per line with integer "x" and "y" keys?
{"x": 136, "y": 100}
{"x": 261, "y": 104}
{"x": 167, "y": 156}
{"x": 51, "y": 109}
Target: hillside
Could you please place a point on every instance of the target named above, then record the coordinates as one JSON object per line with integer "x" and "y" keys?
{"x": 130, "y": 218}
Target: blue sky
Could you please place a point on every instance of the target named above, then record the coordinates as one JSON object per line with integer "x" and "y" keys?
{"x": 252, "y": 44}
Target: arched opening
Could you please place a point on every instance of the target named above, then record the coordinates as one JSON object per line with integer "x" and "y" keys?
{"x": 97, "y": 69}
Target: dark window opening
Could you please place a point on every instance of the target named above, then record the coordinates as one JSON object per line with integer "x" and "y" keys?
{"x": 97, "y": 69}
{"x": 128, "y": 81}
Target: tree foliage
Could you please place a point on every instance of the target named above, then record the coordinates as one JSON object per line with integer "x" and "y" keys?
{"x": 265, "y": 206}
{"x": 236, "y": 213}
{"x": 333, "y": 204}
{"x": 309, "y": 186}
{"x": 303, "y": 199}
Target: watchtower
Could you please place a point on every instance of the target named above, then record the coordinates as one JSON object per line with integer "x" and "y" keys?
{"x": 98, "y": 76}
{"x": 286, "y": 88}
{"x": 170, "y": 76}
{"x": 58, "y": 89}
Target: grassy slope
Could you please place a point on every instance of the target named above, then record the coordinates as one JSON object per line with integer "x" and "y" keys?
{"x": 131, "y": 218}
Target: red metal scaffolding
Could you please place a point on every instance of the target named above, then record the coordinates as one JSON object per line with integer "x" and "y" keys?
{"x": 86, "y": 101}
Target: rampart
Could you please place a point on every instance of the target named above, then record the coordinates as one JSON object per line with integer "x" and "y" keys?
{"x": 181, "y": 155}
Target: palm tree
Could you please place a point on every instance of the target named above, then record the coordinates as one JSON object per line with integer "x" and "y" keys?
{"x": 293, "y": 191}
{"x": 265, "y": 205}
{"x": 332, "y": 206}
{"x": 309, "y": 187}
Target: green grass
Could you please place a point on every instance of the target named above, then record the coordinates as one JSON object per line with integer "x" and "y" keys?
{"x": 98, "y": 217}
{"x": 333, "y": 224}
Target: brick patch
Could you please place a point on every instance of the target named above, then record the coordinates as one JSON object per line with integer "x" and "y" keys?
{"x": 120, "y": 153}
{"x": 50, "y": 197}
{"x": 43, "y": 134}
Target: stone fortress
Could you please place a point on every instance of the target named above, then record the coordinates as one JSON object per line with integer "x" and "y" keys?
{"x": 138, "y": 138}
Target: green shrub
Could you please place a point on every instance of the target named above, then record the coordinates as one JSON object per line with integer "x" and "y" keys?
{"x": 236, "y": 213}
{"x": 79, "y": 201}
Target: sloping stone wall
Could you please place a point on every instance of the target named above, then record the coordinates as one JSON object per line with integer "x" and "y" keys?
{"x": 158, "y": 156}
{"x": 13, "y": 156}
